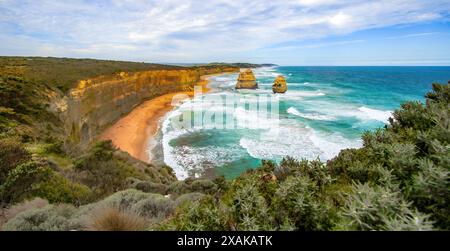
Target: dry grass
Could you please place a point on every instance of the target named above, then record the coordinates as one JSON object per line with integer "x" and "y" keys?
{"x": 112, "y": 219}
{"x": 9, "y": 213}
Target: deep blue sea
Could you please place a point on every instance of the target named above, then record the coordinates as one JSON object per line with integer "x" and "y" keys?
{"x": 325, "y": 109}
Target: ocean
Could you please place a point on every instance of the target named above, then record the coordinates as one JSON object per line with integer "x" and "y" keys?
{"x": 325, "y": 110}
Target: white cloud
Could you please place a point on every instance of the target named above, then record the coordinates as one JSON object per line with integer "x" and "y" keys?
{"x": 340, "y": 19}
{"x": 194, "y": 30}
{"x": 423, "y": 34}
{"x": 318, "y": 45}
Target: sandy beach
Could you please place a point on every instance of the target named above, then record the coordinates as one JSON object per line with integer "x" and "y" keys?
{"x": 134, "y": 132}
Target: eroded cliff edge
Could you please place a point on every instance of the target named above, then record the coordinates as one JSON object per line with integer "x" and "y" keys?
{"x": 98, "y": 102}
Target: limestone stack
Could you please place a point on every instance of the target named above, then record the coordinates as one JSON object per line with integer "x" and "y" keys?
{"x": 246, "y": 80}
{"x": 279, "y": 85}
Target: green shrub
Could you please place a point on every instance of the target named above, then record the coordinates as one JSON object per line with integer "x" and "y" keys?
{"x": 379, "y": 208}
{"x": 124, "y": 200}
{"x": 58, "y": 189}
{"x": 179, "y": 187}
{"x": 9, "y": 213}
{"x": 50, "y": 218}
{"x": 150, "y": 187}
{"x": 155, "y": 206}
{"x": 102, "y": 171}
{"x": 152, "y": 208}
{"x": 430, "y": 192}
{"x": 18, "y": 183}
{"x": 188, "y": 197}
{"x": 12, "y": 153}
{"x": 197, "y": 185}
{"x": 205, "y": 214}
{"x": 54, "y": 146}
{"x": 296, "y": 202}
{"x": 249, "y": 209}
{"x": 203, "y": 186}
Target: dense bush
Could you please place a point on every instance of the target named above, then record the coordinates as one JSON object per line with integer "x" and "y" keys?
{"x": 380, "y": 208}
{"x": 189, "y": 197}
{"x": 149, "y": 187}
{"x": 199, "y": 215}
{"x": 18, "y": 184}
{"x": 50, "y": 218}
{"x": 102, "y": 171}
{"x": 155, "y": 206}
{"x": 12, "y": 153}
{"x": 23, "y": 112}
{"x": 7, "y": 214}
{"x": 37, "y": 179}
{"x": 58, "y": 189}
{"x": 189, "y": 186}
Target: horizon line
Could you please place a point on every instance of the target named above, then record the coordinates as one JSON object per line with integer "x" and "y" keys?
{"x": 235, "y": 62}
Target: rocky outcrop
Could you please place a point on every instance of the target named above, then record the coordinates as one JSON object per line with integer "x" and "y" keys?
{"x": 96, "y": 103}
{"x": 279, "y": 85}
{"x": 246, "y": 80}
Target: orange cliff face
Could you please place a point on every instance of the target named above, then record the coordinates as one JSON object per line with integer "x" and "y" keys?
{"x": 96, "y": 103}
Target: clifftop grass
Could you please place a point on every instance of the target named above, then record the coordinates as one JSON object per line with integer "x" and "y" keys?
{"x": 63, "y": 73}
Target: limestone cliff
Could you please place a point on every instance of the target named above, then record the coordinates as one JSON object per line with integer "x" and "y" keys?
{"x": 279, "y": 85}
{"x": 246, "y": 80}
{"x": 96, "y": 103}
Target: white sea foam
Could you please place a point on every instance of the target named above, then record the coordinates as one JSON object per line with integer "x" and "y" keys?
{"x": 375, "y": 114}
{"x": 311, "y": 116}
{"x": 331, "y": 144}
{"x": 299, "y": 142}
{"x": 188, "y": 160}
{"x": 289, "y": 84}
{"x": 168, "y": 151}
{"x": 294, "y": 94}
{"x": 221, "y": 79}
{"x": 362, "y": 113}
{"x": 265, "y": 72}
{"x": 292, "y": 141}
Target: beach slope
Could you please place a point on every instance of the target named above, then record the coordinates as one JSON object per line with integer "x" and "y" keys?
{"x": 133, "y": 132}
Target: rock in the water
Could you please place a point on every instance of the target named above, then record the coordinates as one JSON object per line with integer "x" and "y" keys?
{"x": 279, "y": 85}
{"x": 246, "y": 80}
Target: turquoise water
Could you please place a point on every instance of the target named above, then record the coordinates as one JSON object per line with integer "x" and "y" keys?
{"x": 325, "y": 109}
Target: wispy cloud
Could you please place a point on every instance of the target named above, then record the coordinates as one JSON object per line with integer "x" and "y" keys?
{"x": 317, "y": 45}
{"x": 192, "y": 30}
{"x": 423, "y": 34}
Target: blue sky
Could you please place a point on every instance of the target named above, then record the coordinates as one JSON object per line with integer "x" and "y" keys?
{"x": 286, "y": 32}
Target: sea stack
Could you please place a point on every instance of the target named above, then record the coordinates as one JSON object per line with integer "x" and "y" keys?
{"x": 279, "y": 85}
{"x": 246, "y": 80}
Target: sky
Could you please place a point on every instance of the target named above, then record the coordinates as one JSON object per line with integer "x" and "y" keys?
{"x": 285, "y": 32}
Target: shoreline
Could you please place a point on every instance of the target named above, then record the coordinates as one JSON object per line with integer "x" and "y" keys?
{"x": 133, "y": 132}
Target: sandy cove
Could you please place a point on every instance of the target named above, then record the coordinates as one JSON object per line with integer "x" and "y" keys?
{"x": 133, "y": 132}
